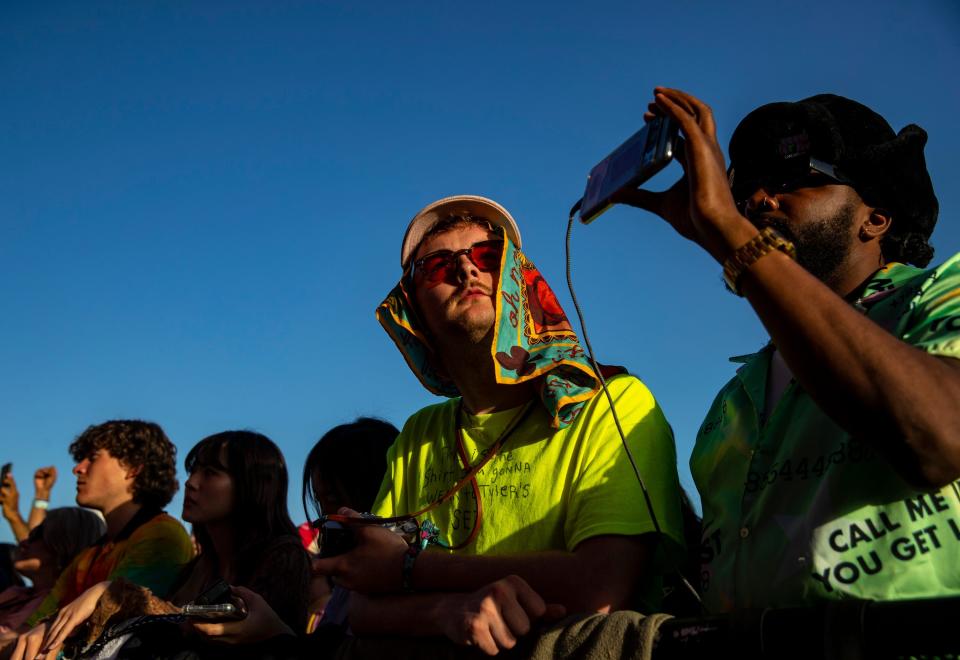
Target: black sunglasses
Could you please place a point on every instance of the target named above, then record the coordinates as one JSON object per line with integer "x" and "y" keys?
{"x": 782, "y": 177}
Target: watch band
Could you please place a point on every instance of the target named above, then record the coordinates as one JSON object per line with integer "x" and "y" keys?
{"x": 768, "y": 240}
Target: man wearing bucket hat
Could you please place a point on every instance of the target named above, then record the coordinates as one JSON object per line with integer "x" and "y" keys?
{"x": 521, "y": 472}
{"x": 828, "y": 465}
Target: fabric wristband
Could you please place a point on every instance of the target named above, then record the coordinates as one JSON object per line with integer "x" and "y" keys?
{"x": 41, "y": 504}
{"x": 409, "y": 559}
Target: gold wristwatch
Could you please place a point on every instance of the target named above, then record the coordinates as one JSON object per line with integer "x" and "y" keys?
{"x": 768, "y": 240}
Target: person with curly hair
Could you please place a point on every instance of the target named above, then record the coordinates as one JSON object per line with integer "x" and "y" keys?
{"x": 126, "y": 470}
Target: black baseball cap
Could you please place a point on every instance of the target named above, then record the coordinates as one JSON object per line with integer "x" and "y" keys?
{"x": 887, "y": 169}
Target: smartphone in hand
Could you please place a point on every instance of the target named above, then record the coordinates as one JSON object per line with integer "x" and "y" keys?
{"x": 215, "y": 604}
{"x": 215, "y": 612}
{"x": 647, "y": 152}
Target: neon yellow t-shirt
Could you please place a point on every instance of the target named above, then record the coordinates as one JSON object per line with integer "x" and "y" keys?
{"x": 546, "y": 489}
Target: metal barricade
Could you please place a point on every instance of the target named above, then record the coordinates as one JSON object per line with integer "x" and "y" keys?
{"x": 847, "y": 630}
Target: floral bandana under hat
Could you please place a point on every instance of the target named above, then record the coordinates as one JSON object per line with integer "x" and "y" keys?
{"x": 532, "y": 338}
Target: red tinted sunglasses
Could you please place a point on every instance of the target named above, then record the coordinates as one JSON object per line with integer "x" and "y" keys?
{"x": 440, "y": 265}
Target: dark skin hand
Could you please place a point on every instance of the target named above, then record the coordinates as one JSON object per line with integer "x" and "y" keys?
{"x": 897, "y": 397}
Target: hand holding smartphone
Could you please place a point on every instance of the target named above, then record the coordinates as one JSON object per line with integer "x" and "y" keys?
{"x": 647, "y": 152}
{"x": 215, "y": 612}
{"x": 216, "y": 604}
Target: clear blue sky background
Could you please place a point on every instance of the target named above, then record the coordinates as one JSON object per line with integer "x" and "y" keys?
{"x": 201, "y": 203}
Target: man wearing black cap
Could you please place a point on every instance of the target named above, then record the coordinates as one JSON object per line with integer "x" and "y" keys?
{"x": 828, "y": 466}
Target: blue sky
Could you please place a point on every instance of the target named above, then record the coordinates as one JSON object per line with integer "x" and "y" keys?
{"x": 201, "y": 203}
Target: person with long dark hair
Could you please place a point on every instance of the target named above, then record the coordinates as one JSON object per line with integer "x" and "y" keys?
{"x": 236, "y": 499}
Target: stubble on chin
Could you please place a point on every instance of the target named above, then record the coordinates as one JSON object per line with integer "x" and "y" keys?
{"x": 468, "y": 322}
{"x": 823, "y": 247}
{"x": 477, "y": 326}
{"x": 467, "y": 335}
{"x": 480, "y": 336}
{"x": 466, "y": 339}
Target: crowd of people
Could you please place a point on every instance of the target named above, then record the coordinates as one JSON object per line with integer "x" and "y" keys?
{"x": 542, "y": 493}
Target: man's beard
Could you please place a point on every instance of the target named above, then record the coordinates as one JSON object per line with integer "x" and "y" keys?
{"x": 472, "y": 332}
{"x": 466, "y": 343}
{"x": 822, "y": 247}
{"x": 465, "y": 336}
{"x": 468, "y": 326}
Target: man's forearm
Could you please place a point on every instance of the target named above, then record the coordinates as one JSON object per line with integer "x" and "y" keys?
{"x": 601, "y": 575}
{"x": 416, "y": 615}
{"x": 440, "y": 571}
{"x": 19, "y": 527}
{"x": 868, "y": 381}
{"x": 37, "y": 516}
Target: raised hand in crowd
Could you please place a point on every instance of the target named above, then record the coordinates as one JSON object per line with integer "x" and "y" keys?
{"x": 43, "y": 480}
{"x": 700, "y": 206}
{"x": 10, "y": 501}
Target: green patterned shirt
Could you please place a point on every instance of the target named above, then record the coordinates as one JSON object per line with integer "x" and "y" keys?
{"x": 795, "y": 509}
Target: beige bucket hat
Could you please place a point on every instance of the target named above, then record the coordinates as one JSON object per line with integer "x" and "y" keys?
{"x": 473, "y": 205}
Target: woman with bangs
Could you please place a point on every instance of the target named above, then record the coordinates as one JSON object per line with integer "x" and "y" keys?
{"x": 235, "y": 498}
